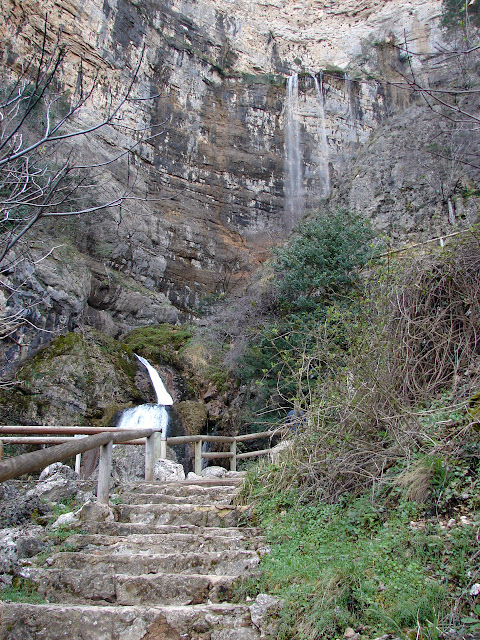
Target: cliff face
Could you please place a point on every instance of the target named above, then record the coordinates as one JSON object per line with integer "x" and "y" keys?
{"x": 211, "y": 183}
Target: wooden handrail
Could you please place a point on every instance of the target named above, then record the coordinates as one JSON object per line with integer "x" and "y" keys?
{"x": 60, "y": 430}
{"x": 83, "y": 430}
{"x": 50, "y": 440}
{"x": 105, "y": 437}
{"x": 36, "y": 460}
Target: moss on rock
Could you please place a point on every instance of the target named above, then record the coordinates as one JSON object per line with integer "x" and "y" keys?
{"x": 160, "y": 344}
{"x": 193, "y": 416}
{"x": 77, "y": 379}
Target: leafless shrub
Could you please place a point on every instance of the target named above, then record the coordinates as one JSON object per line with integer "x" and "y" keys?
{"x": 435, "y": 320}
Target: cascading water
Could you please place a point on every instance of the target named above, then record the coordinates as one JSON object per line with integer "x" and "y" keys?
{"x": 149, "y": 415}
{"x": 293, "y": 157}
{"x": 351, "y": 113}
{"x": 322, "y": 133}
{"x": 163, "y": 397}
{"x": 145, "y": 416}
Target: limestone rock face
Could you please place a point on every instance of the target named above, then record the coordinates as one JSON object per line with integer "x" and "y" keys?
{"x": 193, "y": 416}
{"x": 210, "y": 184}
{"x": 77, "y": 379}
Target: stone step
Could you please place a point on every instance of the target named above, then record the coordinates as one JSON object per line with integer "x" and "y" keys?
{"x": 185, "y": 487}
{"x": 223, "y": 498}
{"x": 170, "y": 540}
{"x": 90, "y": 586}
{"x": 181, "y": 488}
{"x": 229, "y": 562}
{"x": 179, "y": 514}
{"x": 58, "y": 621}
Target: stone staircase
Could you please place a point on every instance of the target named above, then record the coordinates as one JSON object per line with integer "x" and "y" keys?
{"x": 163, "y": 570}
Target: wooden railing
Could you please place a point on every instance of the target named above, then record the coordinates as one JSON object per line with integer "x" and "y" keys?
{"x": 66, "y": 445}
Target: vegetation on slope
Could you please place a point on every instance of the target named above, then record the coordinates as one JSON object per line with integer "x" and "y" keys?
{"x": 372, "y": 511}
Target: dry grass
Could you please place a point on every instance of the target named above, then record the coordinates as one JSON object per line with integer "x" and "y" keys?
{"x": 417, "y": 338}
{"x": 435, "y": 320}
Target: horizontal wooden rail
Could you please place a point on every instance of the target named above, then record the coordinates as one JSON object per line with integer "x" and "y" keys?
{"x": 261, "y": 434}
{"x": 253, "y": 454}
{"x": 217, "y": 455}
{"x": 66, "y": 446}
{"x": 201, "y": 438}
{"x": 83, "y": 430}
{"x": 60, "y": 431}
{"x": 51, "y": 440}
{"x": 36, "y": 460}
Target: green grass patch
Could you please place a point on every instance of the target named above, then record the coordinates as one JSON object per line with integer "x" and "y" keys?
{"x": 21, "y": 590}
{"x": 378, "y": 567}
{"x": 60, "y": 534}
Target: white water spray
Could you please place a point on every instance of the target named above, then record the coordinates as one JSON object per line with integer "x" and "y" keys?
{"x": 322, "y": 132}
{"x": 145, "y": 416}
{"x": 293, "y": 156}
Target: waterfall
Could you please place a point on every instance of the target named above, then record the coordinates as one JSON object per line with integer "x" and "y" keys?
{"x": 351, "y": 113}
{"x": 145, "y": 416}
{"x": 322, "y": 132}
{"x": 149, "y": 415}
{"x": 163, "y": 397}
{"x": 293, "y": 156}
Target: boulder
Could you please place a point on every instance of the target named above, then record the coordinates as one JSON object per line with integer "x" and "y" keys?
{"x": 29, "y": 546}
{"x": 18, "y": 507}
{"x": 17, "y": 543}
{"x": 279, "y": 450}
{"x": 263, "y": 612}
{"x": 66, "y": 519}
{"x": 214, "y": 472}
{"x": 56, "y": 489}
{"x": 168, "y": 471}
{"x": 128, "y": 463}
{"x": 58, "y": 469}
{"x": 94, "y": 512}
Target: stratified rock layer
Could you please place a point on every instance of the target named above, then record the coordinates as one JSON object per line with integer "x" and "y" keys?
{"x": 211, "y": 181}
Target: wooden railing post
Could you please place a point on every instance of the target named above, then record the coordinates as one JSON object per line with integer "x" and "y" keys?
{"x": 163, "y": 448}
{"x": 104, "y": 473}
{"x": 198, "y": 458}
{"x": 149, "y": 457}
{"x": 1, "y": 449}
{"x": 233, "y": 459}
{"x": 157, "y": 446}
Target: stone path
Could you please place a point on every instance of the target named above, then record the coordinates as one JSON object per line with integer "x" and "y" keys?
{"x": 163, "y": 571}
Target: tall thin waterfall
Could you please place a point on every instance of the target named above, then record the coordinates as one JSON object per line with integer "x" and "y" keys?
{"x": 149, "y": 415}
{"x": 322, "y": 132}
{"x": 293, "y": 156}
{"x": 351, "y": 114}
{"x": 163, "y": 397}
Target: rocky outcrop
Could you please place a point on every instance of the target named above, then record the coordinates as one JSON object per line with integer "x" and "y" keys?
{"x": 79, "y": 378}
{"x": 211, "y": 182}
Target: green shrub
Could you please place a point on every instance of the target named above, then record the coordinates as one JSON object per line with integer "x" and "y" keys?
{"x": 321, "y": 262}
{"x": 318, "y": 287}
